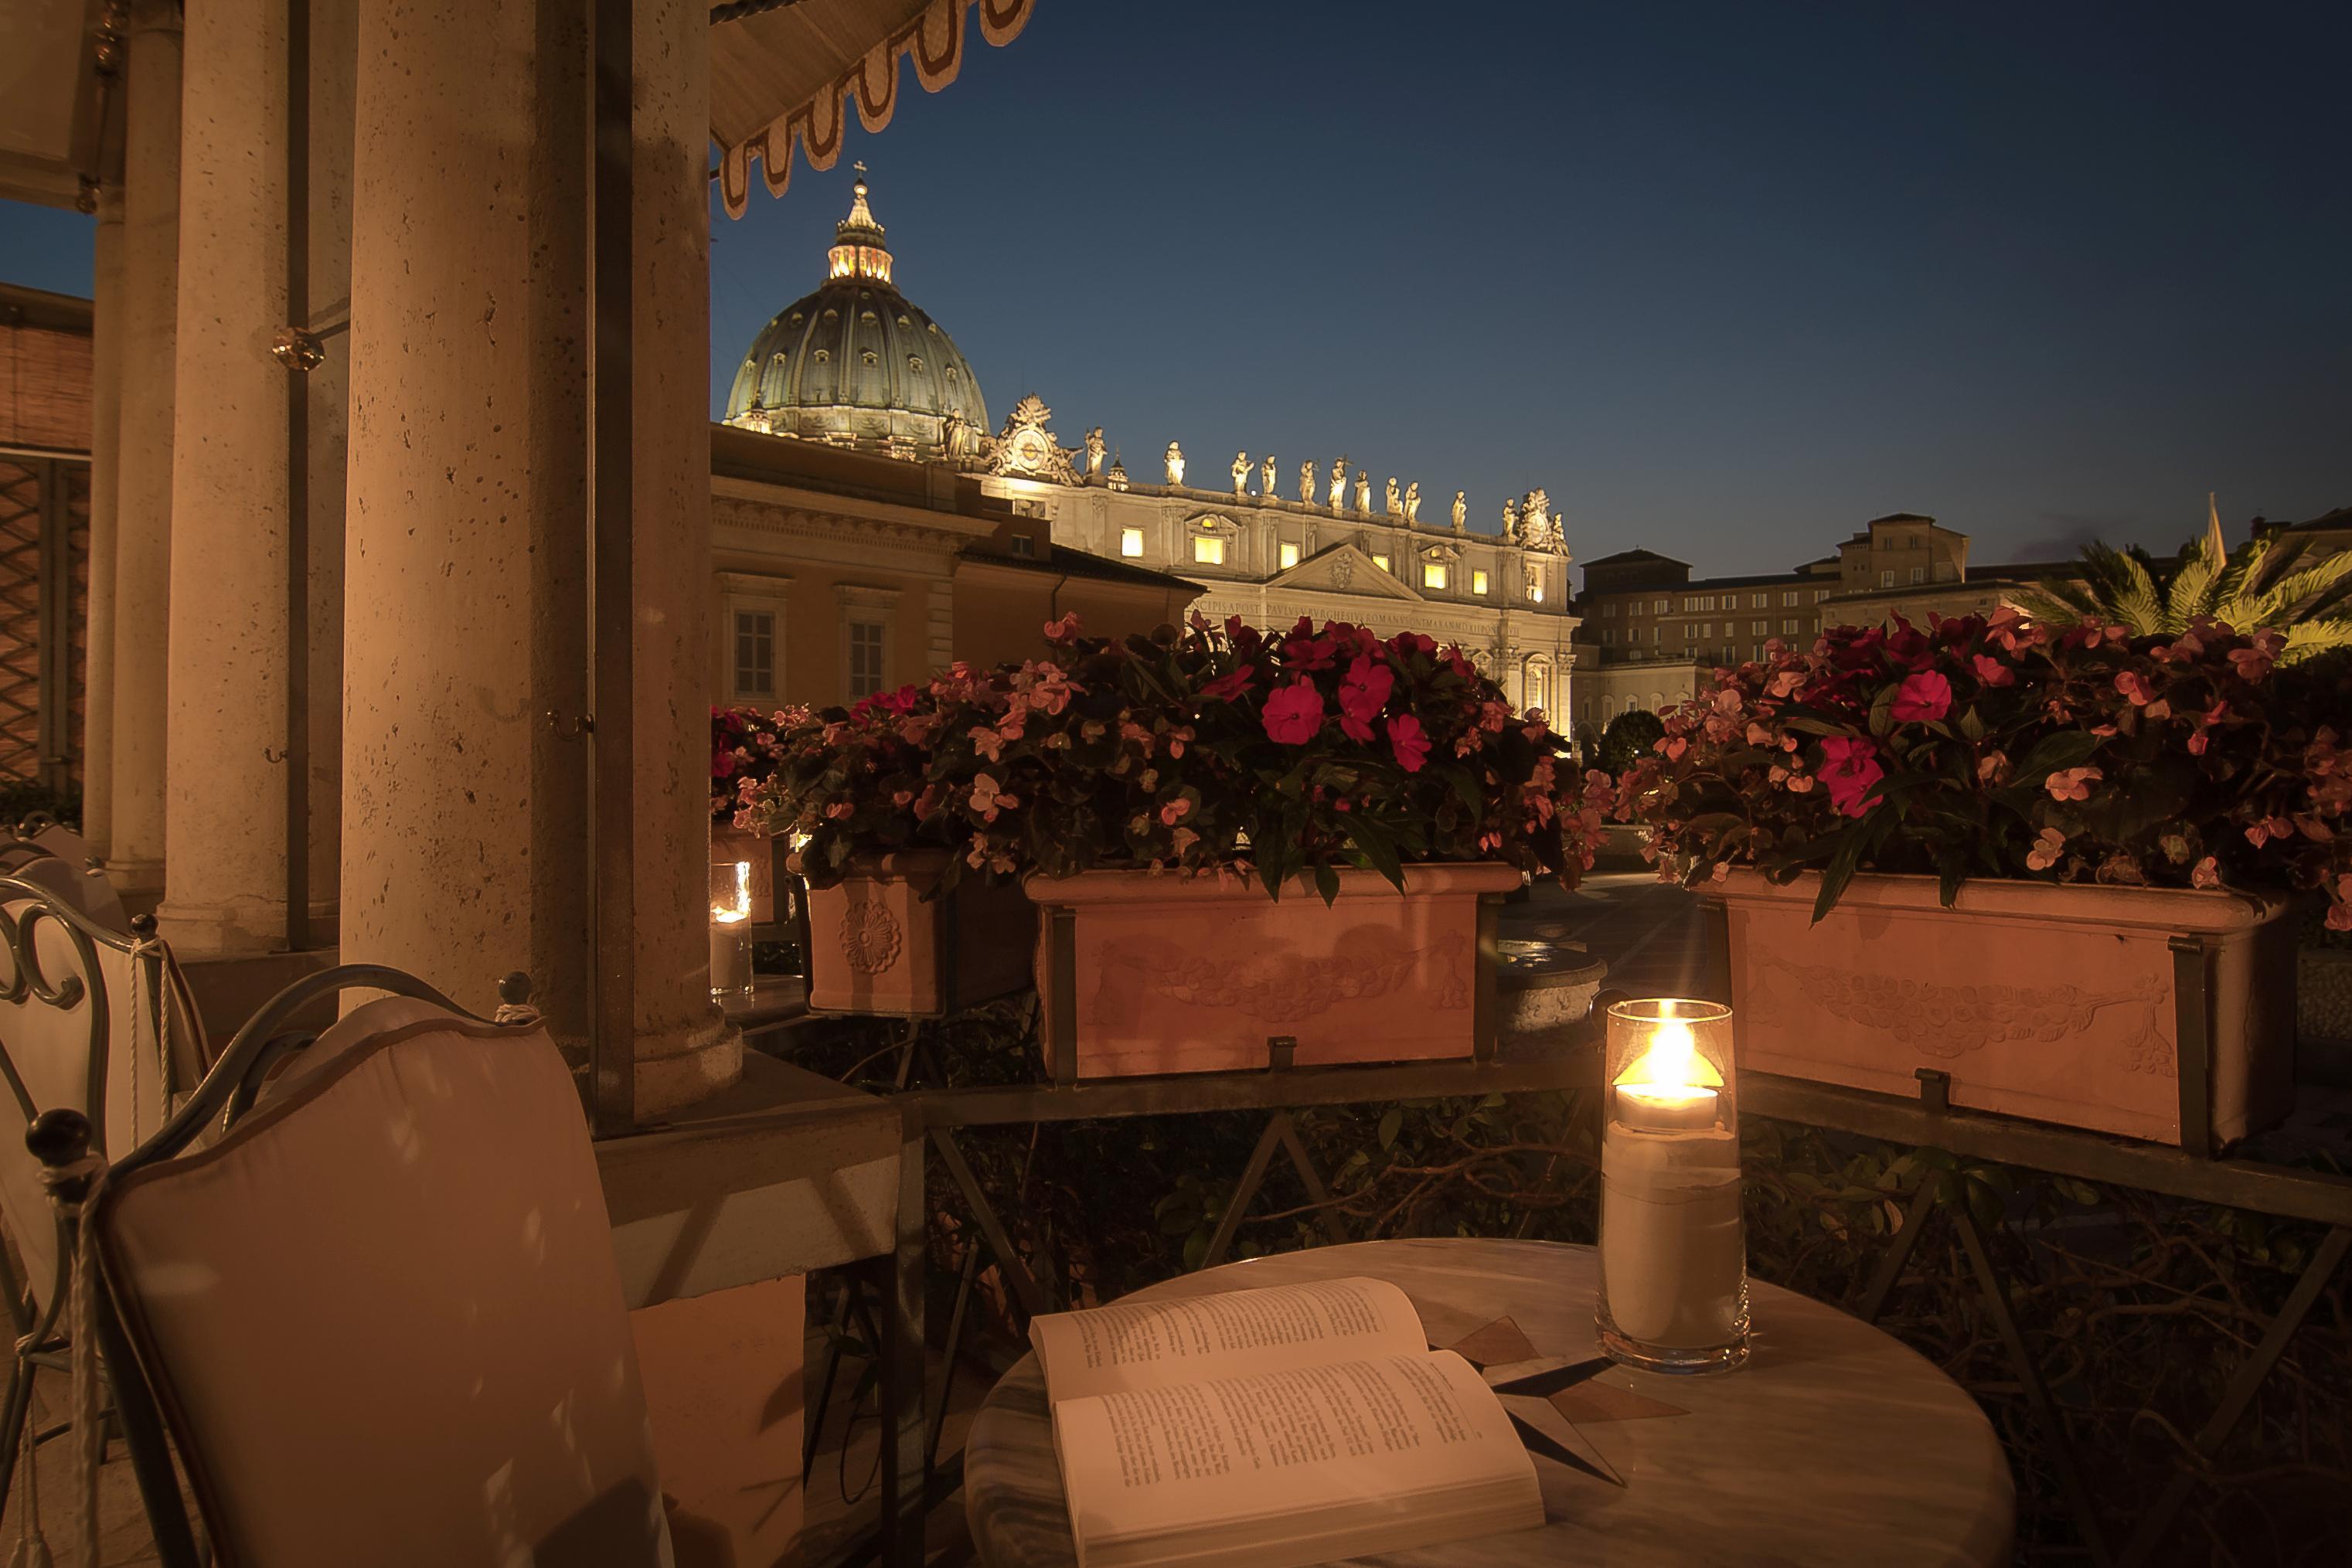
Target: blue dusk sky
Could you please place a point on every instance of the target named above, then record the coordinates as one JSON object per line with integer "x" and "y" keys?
{"x": 1727, "y": 279}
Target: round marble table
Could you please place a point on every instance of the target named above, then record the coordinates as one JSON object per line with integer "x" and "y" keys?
{"x": 1834, "y": 1445}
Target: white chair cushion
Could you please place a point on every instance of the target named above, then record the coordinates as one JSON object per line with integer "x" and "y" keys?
{"x": 385, "y": 1321}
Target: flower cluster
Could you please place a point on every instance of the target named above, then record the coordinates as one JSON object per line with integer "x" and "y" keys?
{"x": 2000, "y": 746}
{"x": 745, "y": 746}
{"x": 1230, "y": 750}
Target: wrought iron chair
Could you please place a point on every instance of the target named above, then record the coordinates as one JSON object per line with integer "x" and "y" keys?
{"x": 41, "y": 851}
{"x": 90, "y": 1018}
{"x": 448, "y": 1373}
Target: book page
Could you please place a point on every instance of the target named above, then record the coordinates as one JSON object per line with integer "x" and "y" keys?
{"x": 1190, "y": 1339}
{"x": 1319, "y": 1447}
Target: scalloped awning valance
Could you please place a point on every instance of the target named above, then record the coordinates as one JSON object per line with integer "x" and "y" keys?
{"x": 782, "y": 74}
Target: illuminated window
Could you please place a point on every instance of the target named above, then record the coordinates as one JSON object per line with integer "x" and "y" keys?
{"x": 866, "y": 661}
{"x": 1789, "y": 596}
{"x": 1433, "y": 575}
{"x": 1289, "y": 555}
{"x": 1381, "y": 561}
{"x": 1130, "y": 541}
{"x": 1659, "y": 608}
{"x": 1761, "y": 628}
{"x": 755, "y": 652}
{"x": 1759, "y": 602}
{"x": 1208, "y": 551}
{"x": 1477, "y": 582}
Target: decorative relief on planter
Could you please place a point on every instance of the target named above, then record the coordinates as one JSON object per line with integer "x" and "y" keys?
{"x": 1276, "y": 989}
{"x": 870, "y": 937}
{"x": 1949, "y": 1021}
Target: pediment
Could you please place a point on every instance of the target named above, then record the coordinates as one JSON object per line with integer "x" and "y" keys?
{"x": 1344, "y": 569}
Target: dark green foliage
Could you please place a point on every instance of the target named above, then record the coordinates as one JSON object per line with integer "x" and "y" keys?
{"x": 1628, "y": 739}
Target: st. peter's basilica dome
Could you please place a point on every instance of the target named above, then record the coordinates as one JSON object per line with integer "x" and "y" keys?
{"x": 855, "y": 364}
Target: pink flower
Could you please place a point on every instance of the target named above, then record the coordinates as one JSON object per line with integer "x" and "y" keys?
{"x": 1065, "y": 629}
{"x": 1849, "y": 771}
{"x": 2133, "y": 684}
{"x": 1175, "y": 811}
{"x": 988, "y": 743}
{"x": 2208, "y": 873}
{"x": 1991, "y": 765}
{"x": 1992, "y": 672}
{"x": 2339, "y": 917}
{"x": 2251, "y": 664}
{"x": 2071, "y": 783}
{"x": 1405, "y": 738}
{"x": 1922, "y": 699}
{"x": 2047, "y": 848}
{"x": 1363, "y": 692}
{"x": 1293, "y": 714}
{"x": 988, "y": 798}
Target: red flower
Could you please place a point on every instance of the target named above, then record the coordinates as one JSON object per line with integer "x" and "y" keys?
{"x": 1293, "y": 714}
{"x": 1064, "y": 630}
{"x": 1405, "y": 738}
{"x": 1225, "y": 689}
{"x": 1850, "y": 772}
{"x": 1923, "y": 697}
{"x": 1362, "y": 693}
{"x": 1993, "y": 672}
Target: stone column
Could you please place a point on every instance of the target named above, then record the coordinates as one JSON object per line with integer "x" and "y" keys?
{"x": 105, "y": 456}
{"x": 143, "y": 531}
{"x": 465, "y": 844}
{"x": 685, "y": 1050}
{"x": 225, "y": 800}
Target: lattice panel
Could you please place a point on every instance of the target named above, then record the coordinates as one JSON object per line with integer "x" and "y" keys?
{"x": 20, "y": 619}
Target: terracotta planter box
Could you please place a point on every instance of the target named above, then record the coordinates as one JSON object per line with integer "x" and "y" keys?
{"x": 2062, "y": 1003}
{"x": 877, "y": 944}
{"x": 1142, "y": 973}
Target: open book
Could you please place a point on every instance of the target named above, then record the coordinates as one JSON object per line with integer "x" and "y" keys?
{"x": 1274, "y": 1427}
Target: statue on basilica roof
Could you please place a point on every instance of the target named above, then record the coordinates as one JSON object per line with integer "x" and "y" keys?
{"x": 1175, "y": 460}
{"x": 1363, "y": 492}
{"x": 1306, "y": 482}
{"x": 1265, "y": 480}
{"x": 1241, "y": 472}
{"x": 1413, "y": 503}
{"x": 1095, "y": 450}
{"x": 1460, "y": 512}
{"x": 1390, "y": 502}
{"x": 1340, "y": 482}
{"x": 1510, "y": 520}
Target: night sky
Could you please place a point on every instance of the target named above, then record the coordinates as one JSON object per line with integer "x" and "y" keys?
{"x": 1727, "y": 279}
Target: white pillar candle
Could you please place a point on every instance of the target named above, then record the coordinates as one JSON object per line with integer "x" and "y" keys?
{"x": 730, "y": 953}
{"x": 1673, "y": 1255}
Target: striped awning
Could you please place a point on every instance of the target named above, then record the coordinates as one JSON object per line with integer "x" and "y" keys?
{"x": 781, "y": 75}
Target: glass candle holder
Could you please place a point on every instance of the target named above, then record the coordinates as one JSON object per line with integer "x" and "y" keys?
{"x": 1673, "y": 1253}
{"x": 730, "y": 930}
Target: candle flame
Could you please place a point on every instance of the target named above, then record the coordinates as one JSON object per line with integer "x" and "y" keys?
{"x": 1671, "y": 1062}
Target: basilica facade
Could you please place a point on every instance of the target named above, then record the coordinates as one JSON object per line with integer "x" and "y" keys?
{"x": 856, "y": 368}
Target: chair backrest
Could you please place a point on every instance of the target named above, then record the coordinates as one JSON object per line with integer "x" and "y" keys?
{"x": 383, "y": 1321}
{"x": 79, "y": 1027}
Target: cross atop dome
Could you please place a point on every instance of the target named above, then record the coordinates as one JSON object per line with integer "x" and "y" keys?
{"x": 858, "y": 250}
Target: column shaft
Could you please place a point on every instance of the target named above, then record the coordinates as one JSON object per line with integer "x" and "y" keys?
{"x": 226, "y": 804}
{"x": 465, "y": 848}
{"x": 105, "y": 456}
{"x": 142, "y": 533}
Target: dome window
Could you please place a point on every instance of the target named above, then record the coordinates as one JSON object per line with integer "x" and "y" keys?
{"x": 868, "y": 318}
{"x": 915, "y": 362}
{"x": 823, "y": 355}
{"x": 904, "y": 322}
{"x": 830, "y": 313}
{"x": 931, "y": 326}
{"x": 870, "y": 357}
{"x": 798, "y": 317}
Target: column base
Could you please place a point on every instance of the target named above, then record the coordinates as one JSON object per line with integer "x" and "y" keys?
{"x": 139, "y": 884}
{"x": 235, "y": 929}
{"x": 672, "y": 1075}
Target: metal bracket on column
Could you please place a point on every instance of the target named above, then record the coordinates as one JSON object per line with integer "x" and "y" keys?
{"x": 1934, "y": 1087}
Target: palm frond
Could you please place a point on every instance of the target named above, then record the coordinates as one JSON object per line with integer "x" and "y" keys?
{"x": 2136, "y": 601}
{"x": 2296, "y": 590}
{"x": 2055, "y": 601}
{"x": 2307, "y": 639}
{"x": 2188, "y": 593}
{"x": 2239, "y": 571}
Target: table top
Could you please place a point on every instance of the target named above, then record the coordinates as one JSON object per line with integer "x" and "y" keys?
{"x": 1836, "y": 1444}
